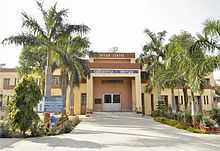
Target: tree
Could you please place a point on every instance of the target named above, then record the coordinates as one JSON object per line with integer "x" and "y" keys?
{"x": 45, "y": 37}
{"x": 152, "y": 57}
{"x": 21, "y": 107}
{"x": 74, "y": 67}
{"x": 179, "y": 51}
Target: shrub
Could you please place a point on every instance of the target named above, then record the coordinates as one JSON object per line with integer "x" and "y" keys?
{"x": 38, "y": 129}
{"x": 188, "y": 118}
{"x": 155, "y": 113}
{"x": 67, "y": 126}
{"x": 21, "y": 106}
{"x": 4, "y": 129}
{"x": 207, "y": 122}
{"x": 198, "y": 118}
{"x": 215, "y": 114}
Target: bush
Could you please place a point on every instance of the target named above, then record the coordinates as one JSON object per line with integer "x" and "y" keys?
{"x": 4, "y": 129}
{"x": 207, "y": 122}
{"x": 215, "y": 114}
{"x": 155, "y": 113}
{"x": 198, "y": 118}
{"x": 69, "y": 125}
{"x": 38, "y": 129}
{"x": 21, "y": 106}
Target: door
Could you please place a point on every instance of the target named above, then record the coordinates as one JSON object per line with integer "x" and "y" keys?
{"x": 111, "y": 102}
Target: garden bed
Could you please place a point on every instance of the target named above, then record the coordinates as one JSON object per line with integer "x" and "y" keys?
{"x": 177, "y": 124}
{"x": 64, "y": 125}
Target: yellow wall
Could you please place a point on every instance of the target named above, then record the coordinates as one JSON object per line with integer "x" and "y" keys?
{"x": 6, "y": 92}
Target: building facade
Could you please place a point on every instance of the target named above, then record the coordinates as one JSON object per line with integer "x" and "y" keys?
{"x": 8, "y": 79}
{"x": 116, "y": 83}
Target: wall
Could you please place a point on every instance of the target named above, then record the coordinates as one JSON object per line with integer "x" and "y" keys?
{"x": 124, "y": 89}
{"x": 12, "y": 75}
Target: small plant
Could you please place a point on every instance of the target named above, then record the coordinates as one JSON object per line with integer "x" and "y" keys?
{"x": 207, "y": 122}
{"x": 215, "y": 114}
{"x": 38, "y": 129}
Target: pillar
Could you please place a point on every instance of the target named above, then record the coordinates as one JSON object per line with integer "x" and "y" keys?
{"x": 138, "y": 93}
{"x": 89, "y": 104}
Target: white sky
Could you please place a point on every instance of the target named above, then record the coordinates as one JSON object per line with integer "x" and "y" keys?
{"x": 113, "y": 22}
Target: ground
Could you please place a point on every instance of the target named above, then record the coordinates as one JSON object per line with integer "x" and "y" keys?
{"x": 118, "y": 132}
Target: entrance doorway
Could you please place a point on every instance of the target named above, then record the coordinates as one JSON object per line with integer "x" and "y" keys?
{"x": 111, "y": 102}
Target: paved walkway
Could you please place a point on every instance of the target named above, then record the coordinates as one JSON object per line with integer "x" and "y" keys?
{"x": 118, "y": 132}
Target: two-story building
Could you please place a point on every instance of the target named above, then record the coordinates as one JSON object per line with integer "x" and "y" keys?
{"x": 115, "y": 83}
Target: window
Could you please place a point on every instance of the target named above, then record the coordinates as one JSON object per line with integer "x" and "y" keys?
{"x": 164, "y": 98}
{"x": 204, "y": 100}
{"x": 107, "y": 98}
{"x": 116, "y": 98}
{"x": 181, "y": 100}
{"x": 207, "y": 99}
{"x": 6, "y": 83}
{"x": 112, "y": 81}
{"x": 56, "y": 81}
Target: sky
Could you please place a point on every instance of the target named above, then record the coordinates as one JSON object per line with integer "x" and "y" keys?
{"x": 113, "y": 23}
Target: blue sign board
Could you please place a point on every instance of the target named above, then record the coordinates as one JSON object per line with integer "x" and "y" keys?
{"x": 52, "y": 104}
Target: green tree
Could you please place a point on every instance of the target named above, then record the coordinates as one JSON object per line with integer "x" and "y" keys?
{"x": 74, "y": 67}
{"x": 152, "y": 58}
{"x": 45, "y": 37}
{"x": 21, "y": 107}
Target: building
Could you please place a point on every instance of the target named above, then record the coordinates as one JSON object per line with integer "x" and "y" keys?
{"x": 8, "y": 79}
{"x": 116, "y": 83}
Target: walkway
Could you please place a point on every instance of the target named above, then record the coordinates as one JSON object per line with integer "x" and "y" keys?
{"x": 118, "y": 132}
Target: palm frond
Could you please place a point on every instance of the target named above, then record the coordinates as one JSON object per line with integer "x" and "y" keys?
{"x": 32, "y": 24}
{"x": 22, "y": 39}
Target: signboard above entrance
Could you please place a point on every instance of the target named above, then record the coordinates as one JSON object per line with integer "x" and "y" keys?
{"x": 112, "y": 55}
{"x": 114, "y": 71}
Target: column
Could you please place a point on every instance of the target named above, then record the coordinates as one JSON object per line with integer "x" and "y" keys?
{"x": 138, "y": 93}
{"x": 89, "y": 104}
{"x": 133, "y": 89}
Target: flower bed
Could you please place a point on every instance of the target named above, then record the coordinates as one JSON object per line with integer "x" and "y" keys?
{"x": 65, "y": 124}
{"x": 177, "y": 124}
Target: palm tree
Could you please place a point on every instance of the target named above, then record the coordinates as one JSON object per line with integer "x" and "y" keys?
{"x": 152, "y": 57}
{"x": 73, "y": 67}
{"x": 45, "y": 36}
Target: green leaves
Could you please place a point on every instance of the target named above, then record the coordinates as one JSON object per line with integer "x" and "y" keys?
{"x": 22, "y": 104}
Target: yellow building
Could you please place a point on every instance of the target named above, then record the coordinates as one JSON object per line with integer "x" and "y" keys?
{"x": 8, "y": 79}
{"x": 116, "y": 83}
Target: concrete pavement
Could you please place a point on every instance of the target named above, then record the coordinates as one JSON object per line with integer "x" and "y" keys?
{"x": 108, "y": 131}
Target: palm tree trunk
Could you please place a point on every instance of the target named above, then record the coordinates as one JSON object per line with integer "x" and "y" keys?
{"x": 173, "y": 101}
{"x": 64, "y": 86}
{"x": 186, "y": 101}
{"x": 48, "y": 75}
{"x": 193, "y": 108}
{"x": 185, "y": 94}
{"x": 71, "y": 98}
